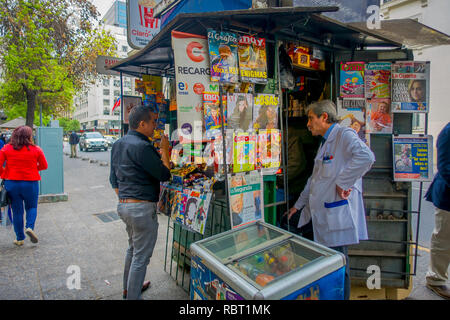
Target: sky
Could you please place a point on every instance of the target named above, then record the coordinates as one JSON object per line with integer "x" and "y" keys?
{"x": 102, "y": 6}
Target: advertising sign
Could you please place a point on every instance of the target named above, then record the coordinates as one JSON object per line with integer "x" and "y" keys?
{"x": 141, "y": 24}
{"x": 413, "y": 157}
{"x": 192, "y": 72}
{"x": 246, "y": 197}
{"x": 129, "y": 102}
{"x": 103, "y": 61}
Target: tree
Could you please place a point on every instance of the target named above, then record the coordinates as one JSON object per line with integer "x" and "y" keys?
{"x": 48, "y": 50}
{"x": 69, "y": 125}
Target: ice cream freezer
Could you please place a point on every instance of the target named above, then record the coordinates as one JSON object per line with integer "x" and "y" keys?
{"x": 260, "y": 261}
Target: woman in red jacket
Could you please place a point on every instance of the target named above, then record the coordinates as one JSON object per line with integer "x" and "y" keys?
{"x": 23, "y": 160}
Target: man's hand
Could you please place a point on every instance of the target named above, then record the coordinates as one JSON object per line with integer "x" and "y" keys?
{"x": 164, "y": 146}
{"x": 344, "y": 194}
{"x": 117, "y": 191}
{"x": 164, "y": 143}
{"x": 292, "y": 211}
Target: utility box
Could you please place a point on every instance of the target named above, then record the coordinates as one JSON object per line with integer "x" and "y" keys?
{"x": 51, "y": 142}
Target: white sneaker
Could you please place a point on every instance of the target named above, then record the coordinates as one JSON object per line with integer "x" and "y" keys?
{"x": 18, "y": 243}
{"x": 32, "y": 235}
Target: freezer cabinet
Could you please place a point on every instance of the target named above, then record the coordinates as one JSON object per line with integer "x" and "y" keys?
{"x": 260, "y": 261}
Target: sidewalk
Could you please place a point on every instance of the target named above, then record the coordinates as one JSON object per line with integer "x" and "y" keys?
{"x": 70, "y": 234}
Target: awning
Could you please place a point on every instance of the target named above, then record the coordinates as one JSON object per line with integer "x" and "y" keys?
{"x": 302, "y": 23}
{"x": 408, "y": 32}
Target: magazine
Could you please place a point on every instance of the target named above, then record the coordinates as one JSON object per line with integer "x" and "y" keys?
{"x": 377, "y": 78}
{"x": 223, "y": 51}
{"x": 412, "y": 157}
{"x": 269, "y": 150}
{"x": 245, "y": 197}
{"x": 244, "y": 151}
{"x": 211, "y": 111}
{"x": 252, "y": 59}
{"x": 202, "y": 212}
{"x": 352, "y": 79}
{"x": 240, "y": 111}
{"x": 410, "y": 86}
{"x": 354, "y": 118}
{"x": 175, "y": 203}
{"x": 379, "y": 116}
{"x": 265, "y": 111}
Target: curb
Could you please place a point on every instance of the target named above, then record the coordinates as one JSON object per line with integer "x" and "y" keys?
{"x": 51, "y": 198}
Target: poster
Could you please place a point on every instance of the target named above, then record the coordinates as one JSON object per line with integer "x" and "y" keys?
{"x": 377, "y": 78}
{"x": 244, "y": 151}
{"x": 195, "y": 208}
{"x": 141, "y": 25}
{"x": 224, "y": 56}
{"x": 352, "y": 79}
{"x": 354, "y": 118}
{"x": 252, "y": 59}
{"x": 246, "y": 197}
{"x": 413, "y": 157}
{"x": 410, "y": 86}
{"x": 211, "y": 112}
{"x": 192, "y": 72}
{"x": 240, "y": 111}
{"x": 379, "y": 116}
{"x": 129, "y": 102}
{"x": 268, "y": 152}
{"x": 265, "y": 111}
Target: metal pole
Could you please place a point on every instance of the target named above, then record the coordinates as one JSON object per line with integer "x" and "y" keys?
{"x": 121, "y": 106}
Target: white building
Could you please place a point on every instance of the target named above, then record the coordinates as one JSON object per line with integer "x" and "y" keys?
{"x": 434, "y": 14}
{"x": 92, "y": 108}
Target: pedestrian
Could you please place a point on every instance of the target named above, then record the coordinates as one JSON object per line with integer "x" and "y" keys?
{"x": 23, "y": 160}
{"x": 332, "y": 198}
{"x": 439, "y": 194}
{"x": 74, "y": 139}
{"x": 2, "y": 141}
{"x": 136, "y": 172}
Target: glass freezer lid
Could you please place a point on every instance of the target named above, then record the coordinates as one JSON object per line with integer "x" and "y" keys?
{"x": 233, "y": 244}
{"x": 272, "y": 263}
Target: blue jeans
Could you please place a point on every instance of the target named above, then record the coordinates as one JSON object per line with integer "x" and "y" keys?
{"x": 21, "y": 192}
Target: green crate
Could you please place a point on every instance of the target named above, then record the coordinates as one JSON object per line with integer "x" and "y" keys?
{"x": 270, "y": 196}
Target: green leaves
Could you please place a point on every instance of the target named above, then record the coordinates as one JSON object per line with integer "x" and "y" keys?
{"x": 47, "y": 51}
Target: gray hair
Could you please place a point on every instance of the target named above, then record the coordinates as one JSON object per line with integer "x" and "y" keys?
{"x": 327, "y": 106}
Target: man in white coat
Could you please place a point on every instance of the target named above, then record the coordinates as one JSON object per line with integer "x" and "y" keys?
{"x": 332, "y": 197}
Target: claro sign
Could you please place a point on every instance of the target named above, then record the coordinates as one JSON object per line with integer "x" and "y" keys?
{"x": 142, "y": 26}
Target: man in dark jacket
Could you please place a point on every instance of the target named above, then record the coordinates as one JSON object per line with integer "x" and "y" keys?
{"x": 74, "y": 139}
{"x": 136, "y": 172}
{"x": 439, "y": 194}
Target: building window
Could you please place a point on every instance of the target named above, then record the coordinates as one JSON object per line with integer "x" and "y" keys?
{"x": 127, "y": 93}
{"x": 106, "y": 102}
{"x": 106, "y": 92}
{"x": 127, "y": 84}
{"x": 106, "y": 82}
{"x": 106, "y": 111}
{"x": 116, "y": 112}
{"x": 116, "y": 93}
{"x": 116, "y": 83}
{"x": 124, "y": 48}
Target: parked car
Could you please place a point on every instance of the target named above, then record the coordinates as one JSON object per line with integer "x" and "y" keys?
{"x": 93, "y": 141}
{"x": 111, "y": 139}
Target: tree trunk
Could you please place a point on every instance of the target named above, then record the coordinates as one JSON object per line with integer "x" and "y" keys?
{"x": 31, "y": 106}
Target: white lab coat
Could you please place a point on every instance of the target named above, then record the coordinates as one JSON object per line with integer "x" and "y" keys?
{"x": 335, "y": 222}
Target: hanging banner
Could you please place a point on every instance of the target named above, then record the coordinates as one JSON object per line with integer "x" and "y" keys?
{"x": 413, "y": 157}
{"x": 246, "y": 197}
{"x": 141, "y": 24}
{"x": 224, "y": 56}
{"x": 252, "y": 59}
{"x": 352, "y": 80}
{"x": 192, "y": 71}
{"x": 410, "y": 86}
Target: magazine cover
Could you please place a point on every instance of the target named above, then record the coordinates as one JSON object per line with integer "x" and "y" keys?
{"x": 202, "y": 212}
{"x": 265, "y": 111}
{"x": 244, "y": 151}
{"x": 240, "y": 111}
{"x": 246, "y": 197}
{"x": 190, "y": 207}
{"x": 252, "y": 59}
{"x": 352, "y": 79}
{"x": 211, "y": 111}
{"x": 175, "y": 204}
{"x": 129, "y": 102}
{"x": 354, "y": 118}
{"x": 410, "y": 86}
{"x": 269, "y": 149}
{"x": 163, "y": 203}
{"x": 223, "y": 52}
{"x": 377, "y": 78}
{"x": 413, "y": 157}
{"x": 379, "y": 116}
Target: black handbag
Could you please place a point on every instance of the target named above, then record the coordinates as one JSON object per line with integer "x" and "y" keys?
{"x": 4, "y": 198}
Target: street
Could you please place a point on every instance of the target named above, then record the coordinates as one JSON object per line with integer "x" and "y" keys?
{"x": 97, "y": 155}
